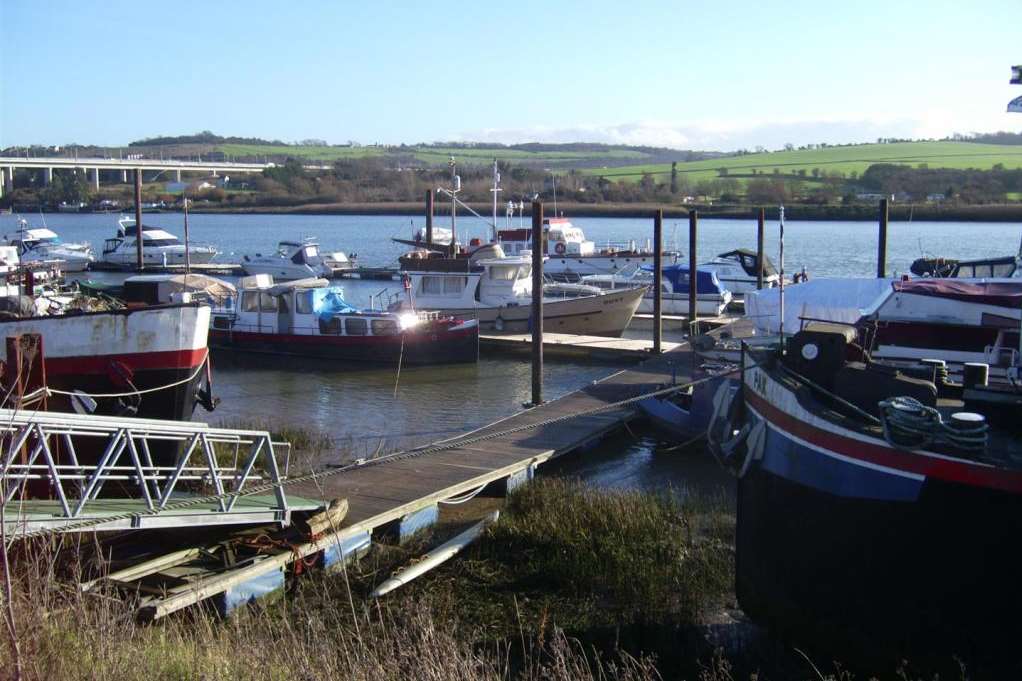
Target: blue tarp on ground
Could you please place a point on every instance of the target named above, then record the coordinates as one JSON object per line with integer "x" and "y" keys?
{"x": 327, "y": 302}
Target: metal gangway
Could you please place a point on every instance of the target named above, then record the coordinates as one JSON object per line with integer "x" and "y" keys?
{"x": 48, "y": 483}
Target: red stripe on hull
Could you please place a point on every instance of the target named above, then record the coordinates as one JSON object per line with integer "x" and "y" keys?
{"x": 100, "y": 364}
{"x": 957, "y": 471}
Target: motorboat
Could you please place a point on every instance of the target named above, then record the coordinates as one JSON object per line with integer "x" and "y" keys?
{"x": 571, "y": 256}
{"x": 497, "y": 290}
{"x": 310, "y": 318}
{"x": 159, "y": 248}
{"x": 292, "y": 260}
{"x": 737, "y": 271}
{"x": 41, "y": 245}
{"x": 711, "y": 296}
{"x": 874, "y": 504}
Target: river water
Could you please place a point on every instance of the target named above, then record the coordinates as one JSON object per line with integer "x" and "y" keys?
{"x": 367, "y": 407}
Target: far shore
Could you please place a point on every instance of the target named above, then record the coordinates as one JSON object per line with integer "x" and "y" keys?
{"x": 900, "y": 212}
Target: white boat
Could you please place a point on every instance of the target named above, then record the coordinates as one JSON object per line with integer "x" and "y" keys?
{"x": 737, "y": 271}
{"x": 158, "y": 247}
{"x": 712, "y": 298}
{"x": 497, "y": 290}
{"x": 293, "y": 260}
{"x": 41, "y": 245}
{"x": 339, "y": 261}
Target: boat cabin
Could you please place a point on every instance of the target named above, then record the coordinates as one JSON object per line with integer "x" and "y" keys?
{"x": 992, "y": 268}
{"x": 309, "y": 307}
{"x": 445, "y": 283}
{"x": 562, "y": 238}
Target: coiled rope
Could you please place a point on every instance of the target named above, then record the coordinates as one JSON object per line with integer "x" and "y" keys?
{"x": 910, "y": 424}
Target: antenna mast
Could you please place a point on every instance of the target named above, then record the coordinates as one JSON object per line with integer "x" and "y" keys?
{"x": 455, "y": 188}
{"x": 781, "y": 293}
{"x": 496, "y": 189}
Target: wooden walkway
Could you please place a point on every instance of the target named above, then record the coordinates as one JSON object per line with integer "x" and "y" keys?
{"x": 567, "y": 344}
{"x": 403, "y": 492}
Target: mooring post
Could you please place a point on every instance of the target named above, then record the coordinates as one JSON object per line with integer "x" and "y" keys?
{"x": 658, "y": 294}
{"x": 882, "y": 242}
{"x": 693, "y": 226}
{"x": 429, "y": 218}
{"x": 138, "y": 218}
{"x": 761, "y": 220}
{"x": 537, "y": 303}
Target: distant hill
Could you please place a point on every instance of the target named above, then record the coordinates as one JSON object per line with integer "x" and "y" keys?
{"x": 848, "y": 161}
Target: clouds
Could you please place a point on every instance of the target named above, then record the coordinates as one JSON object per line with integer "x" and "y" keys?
{"x": 723, "y": 135}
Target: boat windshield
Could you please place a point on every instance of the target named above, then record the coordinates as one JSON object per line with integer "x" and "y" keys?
{"x": 149, "y": 242}
{"x": 510, "y": 272}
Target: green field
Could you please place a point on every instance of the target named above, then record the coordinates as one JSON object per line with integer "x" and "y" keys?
{"x": 439, "y": 155}
{"x": 844, "y": 160}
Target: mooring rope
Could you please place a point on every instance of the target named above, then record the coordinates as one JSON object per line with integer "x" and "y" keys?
{"x": 198, "y": 369}
{"x": 315, "y": 476}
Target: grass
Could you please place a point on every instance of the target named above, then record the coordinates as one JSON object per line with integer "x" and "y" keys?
{"x": 500, "y": 612}
{"x": 845, "y": 160}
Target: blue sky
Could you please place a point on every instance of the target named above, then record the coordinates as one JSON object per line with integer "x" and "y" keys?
{"x": 707, "y": 75}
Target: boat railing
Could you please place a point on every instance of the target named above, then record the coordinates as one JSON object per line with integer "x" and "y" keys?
{"x": 44, "y": 449}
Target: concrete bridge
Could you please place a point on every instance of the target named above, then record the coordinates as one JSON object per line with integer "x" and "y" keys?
{"x": 112, "y": 166}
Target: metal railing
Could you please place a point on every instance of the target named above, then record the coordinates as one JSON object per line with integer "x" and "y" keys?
{"x": 44, "y": 448}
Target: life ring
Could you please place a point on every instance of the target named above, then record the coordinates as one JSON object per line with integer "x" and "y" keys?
{"x": 560, "y": 248}
{"x": 734, "y": 446}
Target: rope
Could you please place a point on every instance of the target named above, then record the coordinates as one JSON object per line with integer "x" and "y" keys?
{"x": 467, "y": 497}
{"x": 908, "y": 423}
{"x": 54, "y": 391}
{"x": 315, "y": 476}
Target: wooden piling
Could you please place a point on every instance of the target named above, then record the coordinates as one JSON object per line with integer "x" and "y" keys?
{"x": 658, "y": 294}
{"x": 760, "y": 222}
{"x": 882, "y": 242}
{"x": 693, "y": 227}
{"x": 429, "y": 218}
{"x": 537, "y": 303}
{"x": 140, "y": 263}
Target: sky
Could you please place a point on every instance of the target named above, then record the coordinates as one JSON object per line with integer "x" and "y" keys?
{"x": 689, "y": 75}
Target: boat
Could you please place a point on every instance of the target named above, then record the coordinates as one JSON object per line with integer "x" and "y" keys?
{"x": 41, "y": 245}
{"x": 737, "y": 271}
{"x": 310, "y": 318}
{"x": 497, "y": 290}
{"x": 441, "y": 240}
{"x": 340, "y": 262}
{"x": 712, "y": 298}
{"x": 159, "y": 248}
{"x": 292, "y": 260}
{"x": 877, "y": 507}
{"x": 145, "y": 361}
{"x": 685, "y": 414}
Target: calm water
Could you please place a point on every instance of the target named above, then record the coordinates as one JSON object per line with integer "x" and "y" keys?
{"x": 357, "y": 404}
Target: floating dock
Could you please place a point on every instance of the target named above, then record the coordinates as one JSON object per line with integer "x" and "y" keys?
{"x": 399, "y": 493}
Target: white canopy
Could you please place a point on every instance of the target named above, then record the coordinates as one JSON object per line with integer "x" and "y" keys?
{"x": 832, "y": 300}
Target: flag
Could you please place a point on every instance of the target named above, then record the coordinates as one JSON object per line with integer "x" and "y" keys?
{"x": 1016, "y": 75}
{"x": 1015, "y": 105}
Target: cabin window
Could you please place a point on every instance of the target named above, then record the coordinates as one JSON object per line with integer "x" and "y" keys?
{"x": 250, "y": 301}
{"x": 355, "y": 326}
{"x": 384, "y": 327}
{"x": 267, "y": 303}
{"x": 1004, "y": 269}
{"x": 330, "y": 326}
{"x": 304, "y": 302}
{"x": 439, "y": 286}
{"x": 510, "y": 272}
{"x": 298, "y": 258}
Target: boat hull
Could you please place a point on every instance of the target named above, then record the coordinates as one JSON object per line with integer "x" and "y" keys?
{"x": 439, "y": 346}
{"x": 842, "y": 539}
{"x": 154, "y": 257}
{"x": 601, "y": 315}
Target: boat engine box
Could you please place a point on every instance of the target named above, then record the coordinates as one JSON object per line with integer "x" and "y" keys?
{"x": 819, "y": 351}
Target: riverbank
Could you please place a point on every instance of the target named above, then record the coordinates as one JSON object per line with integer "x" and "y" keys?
{"x": 855, "y": 212}
{"x": 898, "y": 212}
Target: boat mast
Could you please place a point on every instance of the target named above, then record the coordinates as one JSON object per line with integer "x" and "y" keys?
{"x": 455, "y": 188}
{"x": 496, "y": 189}
{"x": 188, "y": 252}
{"x": 781, "y": 292}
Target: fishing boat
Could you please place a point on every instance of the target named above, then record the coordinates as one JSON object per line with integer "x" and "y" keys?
{"x": 139, "y": 361}
{"x": 310, "y": 318}
{"x": 876, "y": 506}
{"x": 497, "y": 290}
{"x": 158, "y": 247}
{"x": 712, "y": 298}
{"x": 41, "y": 245}
{"x": 292, "y": 260}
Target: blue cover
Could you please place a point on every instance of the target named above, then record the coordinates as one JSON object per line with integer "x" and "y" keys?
{"x": 677, "y": 275}
{"x": 327, "y": 302}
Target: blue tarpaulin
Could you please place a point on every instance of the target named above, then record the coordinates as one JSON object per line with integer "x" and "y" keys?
{"x": 330, "y": 301}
